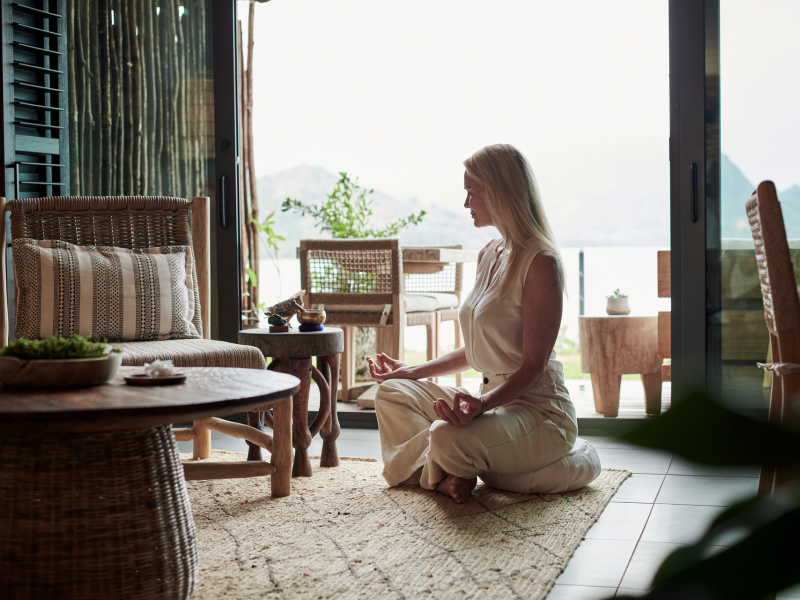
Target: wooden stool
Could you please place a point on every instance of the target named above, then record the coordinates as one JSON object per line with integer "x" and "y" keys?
{"x": 615, "y": 345}
{"x": 291, "y": 352}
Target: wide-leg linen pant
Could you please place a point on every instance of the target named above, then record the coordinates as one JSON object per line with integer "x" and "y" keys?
{"x": 419, "y": 448}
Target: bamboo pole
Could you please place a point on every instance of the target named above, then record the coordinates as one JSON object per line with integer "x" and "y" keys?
{"x": 160, "y": 122}
{"x": 81, "y": 23}
{"x": 252, "y": 214}
{"x": 95, "y": 98}
{"x": 243, "y": 246}
{"x": 119, "y": 110}
{"x": 127, "y": 99}
{"x": 104, "y": 26}
{"x": 144, "y": 180}
{"x": 182, "y": 154}
{"x": 206, "y": 149}
{"x": 136, "y": 98}
{"x": 151, "y": 66}
{"x": 74, "y": 145}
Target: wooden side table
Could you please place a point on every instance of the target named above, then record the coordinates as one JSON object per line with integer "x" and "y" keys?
{"x": 291, "y": 352}
{"x": 612, "y": 346}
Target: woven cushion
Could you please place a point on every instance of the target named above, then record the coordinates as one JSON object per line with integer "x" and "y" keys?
{"x": 578, "y": 468}
{"x": 192, "y": 353}
{"x": 116, "y": 293}
{"x": 429, "y": 301}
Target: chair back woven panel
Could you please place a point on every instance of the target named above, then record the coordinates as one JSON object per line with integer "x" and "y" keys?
{"x": 445, "y": 281}
{"x": 350, "y": 272}
{"x": 121, "y": 221}
{"x": 778, "y": 284}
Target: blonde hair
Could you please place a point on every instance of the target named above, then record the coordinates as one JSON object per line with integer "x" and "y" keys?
{"x": 515, "y": 206}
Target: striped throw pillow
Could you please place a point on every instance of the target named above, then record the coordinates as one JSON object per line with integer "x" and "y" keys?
{"x": 116, "y": 293}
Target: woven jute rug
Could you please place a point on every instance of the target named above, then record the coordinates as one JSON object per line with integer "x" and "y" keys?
{"x": 344, "y": 534}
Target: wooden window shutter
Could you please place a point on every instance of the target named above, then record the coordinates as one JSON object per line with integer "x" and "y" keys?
{"x": 35, "y": 129}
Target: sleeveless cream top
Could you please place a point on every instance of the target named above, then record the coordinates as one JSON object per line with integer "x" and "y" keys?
{"x": 492, "y": 326}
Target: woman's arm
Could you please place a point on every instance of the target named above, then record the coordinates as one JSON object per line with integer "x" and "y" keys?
{"x": 388, "y": 368}
{"x": 542, "y": 302}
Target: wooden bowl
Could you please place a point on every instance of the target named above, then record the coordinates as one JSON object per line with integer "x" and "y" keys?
{"x": 59, "y": 373}
{"x": 311, "y": 317}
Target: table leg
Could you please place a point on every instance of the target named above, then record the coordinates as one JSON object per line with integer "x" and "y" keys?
{"x": 329, "y": 366}
{"x": 598, "y": 400}
{"x": 201, "y": 446}
{"x": 281, "y": 479}
{"x": 301, "y": 435}
{"x": 255, "y": 419}
{"x": 104, "y": 514}
{"x": 608, "y": 385}
{"x": 652, "y": 392}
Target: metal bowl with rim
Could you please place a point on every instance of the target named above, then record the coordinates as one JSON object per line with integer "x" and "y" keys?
{"x": 311, "y": 316}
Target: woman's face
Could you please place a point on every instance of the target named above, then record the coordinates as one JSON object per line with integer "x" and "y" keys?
{"x": 476, "y": 202}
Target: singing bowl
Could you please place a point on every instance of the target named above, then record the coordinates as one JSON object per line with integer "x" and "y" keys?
{"x": 311, "y": 317}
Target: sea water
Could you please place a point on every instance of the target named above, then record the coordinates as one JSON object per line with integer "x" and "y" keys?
{"x": 631, "y": 269}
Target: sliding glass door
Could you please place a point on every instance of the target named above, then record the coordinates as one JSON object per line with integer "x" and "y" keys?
{"x": 734, "y": 94}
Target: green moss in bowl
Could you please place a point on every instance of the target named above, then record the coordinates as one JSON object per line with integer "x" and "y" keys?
{"x": 58, "y": 362}
{"x": 58, "y": 348}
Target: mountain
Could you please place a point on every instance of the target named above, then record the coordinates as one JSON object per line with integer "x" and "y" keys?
{"x": 311, "y": 184}
{"x": 736, "y": 189}
{"x": 612, "y": 193}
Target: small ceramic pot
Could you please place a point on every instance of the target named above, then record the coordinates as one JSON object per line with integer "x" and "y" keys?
{"x": 618, "y": 306}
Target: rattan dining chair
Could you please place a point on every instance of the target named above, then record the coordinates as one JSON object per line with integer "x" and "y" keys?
{"x": 781, "y": 312}
{"x": 361, "y": 283}
{"x": 444, "y": 282}
{"x": 140, "y": 222}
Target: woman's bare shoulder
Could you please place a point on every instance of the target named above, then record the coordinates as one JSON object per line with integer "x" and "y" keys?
{"x": 543, "y": 267}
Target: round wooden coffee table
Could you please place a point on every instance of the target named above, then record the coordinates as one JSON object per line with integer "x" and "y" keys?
{"x": 291, "y": 352}
{"x": 92, "y": 495}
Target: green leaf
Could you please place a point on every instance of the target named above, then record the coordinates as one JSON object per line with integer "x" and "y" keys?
{"x": 251, "y": 275}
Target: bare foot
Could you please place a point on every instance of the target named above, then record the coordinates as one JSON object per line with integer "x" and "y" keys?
{"x": 457, "y": 488}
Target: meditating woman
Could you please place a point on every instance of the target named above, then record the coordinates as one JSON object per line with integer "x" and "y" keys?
{"x": 522, "y": 419}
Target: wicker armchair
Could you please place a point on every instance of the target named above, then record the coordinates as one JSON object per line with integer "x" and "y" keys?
{"x": 134, "y": 222}
{"x": 360, "y": 283}
{"x": 782, "y": 315}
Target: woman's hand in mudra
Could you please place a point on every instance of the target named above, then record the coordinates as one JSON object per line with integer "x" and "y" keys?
{"x": 464, "y": 409}
{"x": 387, "y": 368}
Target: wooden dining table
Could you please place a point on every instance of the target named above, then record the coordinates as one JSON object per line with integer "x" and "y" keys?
{"x": 93, "y": 502}
{"x": 430, "y": 259}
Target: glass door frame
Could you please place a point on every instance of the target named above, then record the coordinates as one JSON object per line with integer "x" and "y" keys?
{"x": 226, "y": 293}
{"x": 695, "y": 269}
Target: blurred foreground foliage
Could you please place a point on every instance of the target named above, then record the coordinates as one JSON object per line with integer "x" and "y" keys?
{"x": 765, "y": 559}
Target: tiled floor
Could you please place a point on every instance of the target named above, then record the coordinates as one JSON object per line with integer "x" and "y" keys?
{"x": 666, "y": 503}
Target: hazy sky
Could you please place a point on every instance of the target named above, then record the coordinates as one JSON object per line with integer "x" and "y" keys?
{"x": 399, "y": 93}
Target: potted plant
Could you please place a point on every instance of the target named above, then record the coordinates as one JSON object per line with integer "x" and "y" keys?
{"x": 58, "y": 362}
{"x": 617, "y": 303}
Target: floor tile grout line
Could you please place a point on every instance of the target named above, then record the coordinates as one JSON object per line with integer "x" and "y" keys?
{"x": 625, "y": 572}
